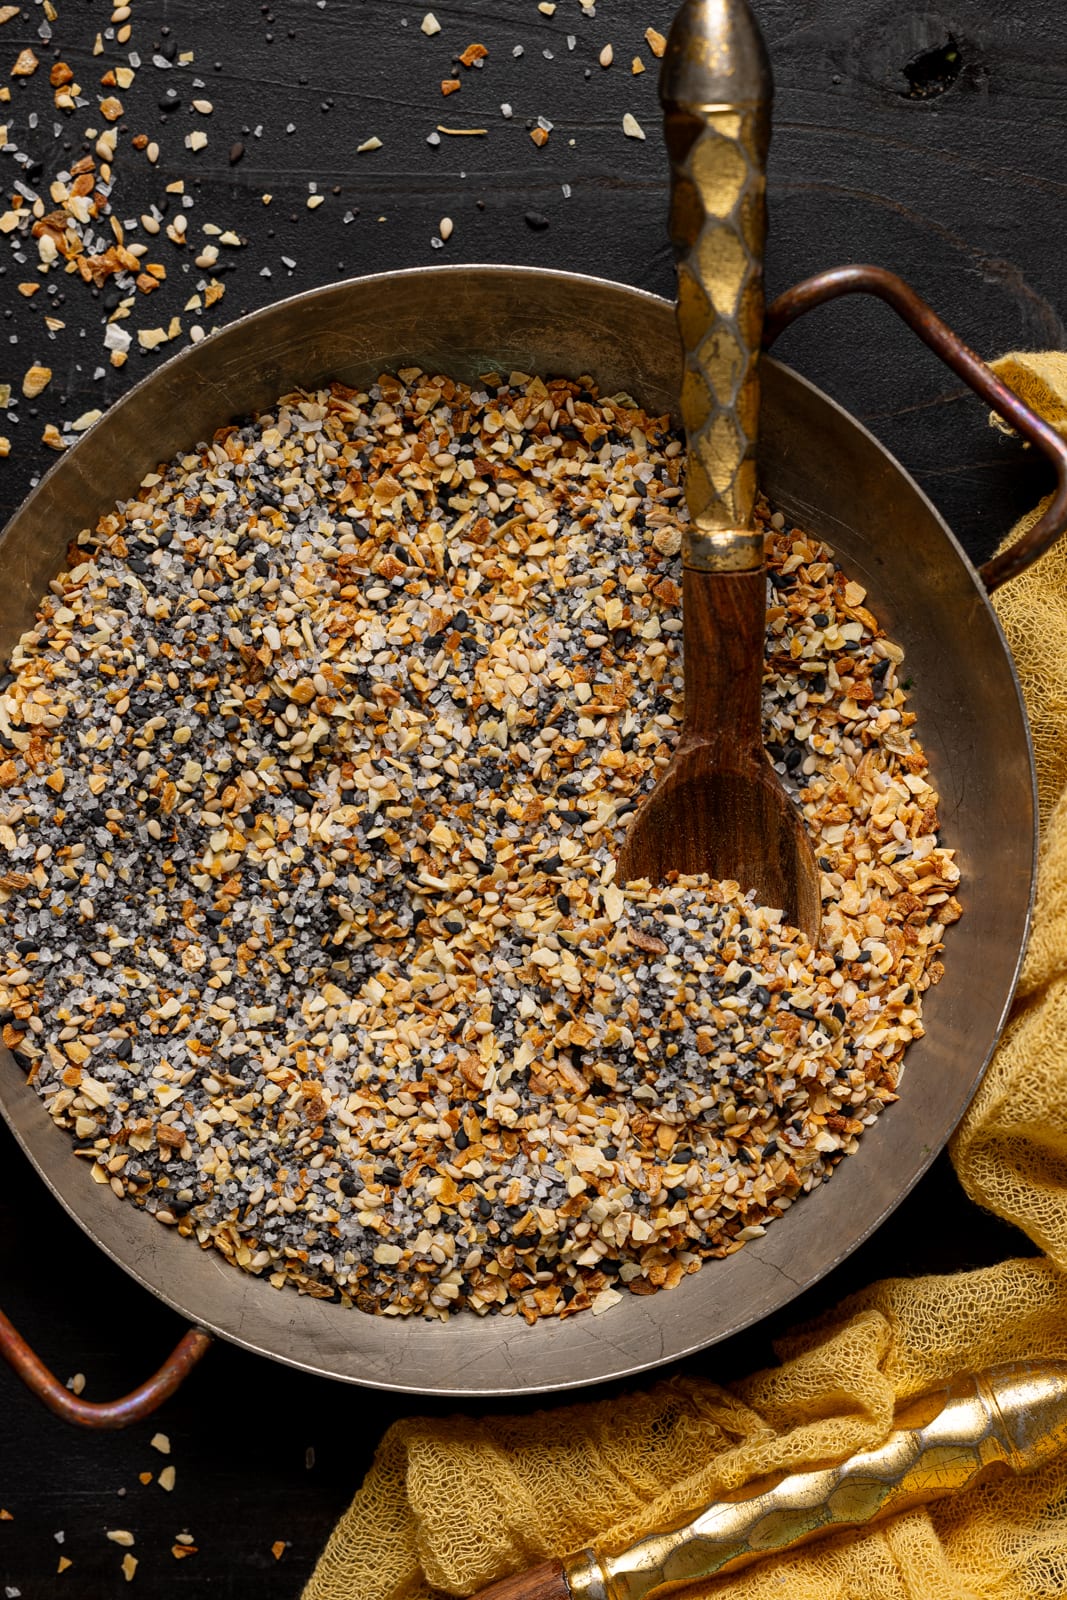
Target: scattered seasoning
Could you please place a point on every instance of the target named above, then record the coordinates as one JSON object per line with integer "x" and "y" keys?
{"x": 160, "y": 1442}
{"x": 73, "y": 233}
{"x": 445, "y": 227}
{"x": 373, "y": 143}
{"x": 36, "y": 380}
{"x": 607, "y": 56}
{"x": 354, "y": 703}
{"x": 278, "y": 1549}
{"x": 129, "y": 1567}
{"x": 657, "y": 42}
{"x": 536, "y": 220}
{"x": 166, "y": 1478}
{"x": 120, "y": 1536}
{"x": 637, "y": 66}
{"x": 631, "y": 127}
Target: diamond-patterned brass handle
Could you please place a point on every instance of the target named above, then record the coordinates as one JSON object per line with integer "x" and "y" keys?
{"x": 715, "y": 87}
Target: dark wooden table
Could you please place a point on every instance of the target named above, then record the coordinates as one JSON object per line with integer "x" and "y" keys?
{"x": 903, "y": 136}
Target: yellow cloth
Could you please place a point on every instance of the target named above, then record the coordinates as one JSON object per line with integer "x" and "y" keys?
{"x": 450, "y": 1505}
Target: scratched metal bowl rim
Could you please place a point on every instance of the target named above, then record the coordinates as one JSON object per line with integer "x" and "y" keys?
{"x": 834, "y": 478}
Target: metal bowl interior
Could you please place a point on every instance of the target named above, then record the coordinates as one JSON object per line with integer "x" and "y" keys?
{"x": 825, "y": 471}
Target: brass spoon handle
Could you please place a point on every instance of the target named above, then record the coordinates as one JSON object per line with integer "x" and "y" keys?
{"x": 715, "y": 87}
{"x": 1011, "y": 1418}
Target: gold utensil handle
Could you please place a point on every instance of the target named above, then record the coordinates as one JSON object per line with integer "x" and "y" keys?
{"x": 715, "y": 87}
{"x": 1010, "y": 1418}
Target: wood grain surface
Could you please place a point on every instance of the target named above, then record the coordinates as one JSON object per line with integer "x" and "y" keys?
{"x": 543, "y": 1582}
{"x": 923, "y": 139}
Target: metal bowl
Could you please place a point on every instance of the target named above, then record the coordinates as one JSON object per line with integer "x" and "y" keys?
{"x": 822, "y": 469}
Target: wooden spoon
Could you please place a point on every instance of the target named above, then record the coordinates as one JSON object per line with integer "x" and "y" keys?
{"x": 720, "y": 808}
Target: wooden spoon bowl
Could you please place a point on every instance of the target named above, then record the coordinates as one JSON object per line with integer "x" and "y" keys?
{"x": 720, "y": 807}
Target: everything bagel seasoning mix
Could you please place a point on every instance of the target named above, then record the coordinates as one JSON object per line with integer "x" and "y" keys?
{"x": 313, "y": 773}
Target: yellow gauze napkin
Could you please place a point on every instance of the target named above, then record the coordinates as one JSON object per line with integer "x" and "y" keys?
{"x": 451, "y": 1505}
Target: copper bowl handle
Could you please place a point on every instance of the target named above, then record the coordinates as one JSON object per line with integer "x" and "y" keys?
{"x": 971, "y": 368}
{"x": 132, "y": 1407}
